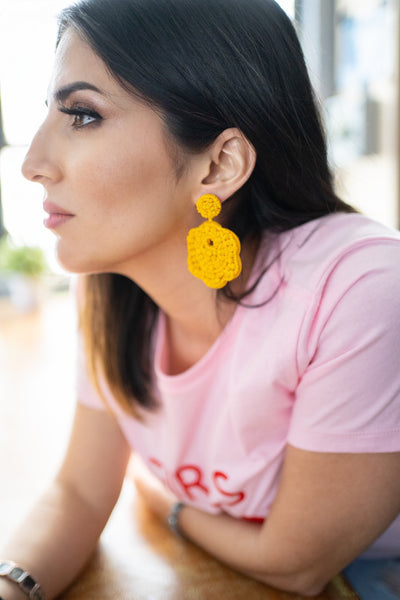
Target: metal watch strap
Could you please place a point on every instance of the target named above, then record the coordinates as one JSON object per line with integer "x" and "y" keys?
{"x": 22, "y": 578}
{"x": 173, "y": 518}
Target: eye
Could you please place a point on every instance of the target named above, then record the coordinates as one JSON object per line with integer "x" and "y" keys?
{"x": 83, "y": 117}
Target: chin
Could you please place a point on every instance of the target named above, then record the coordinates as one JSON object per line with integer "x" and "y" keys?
{"x": 88, "y": 260}
{"x": 79, "y": 263}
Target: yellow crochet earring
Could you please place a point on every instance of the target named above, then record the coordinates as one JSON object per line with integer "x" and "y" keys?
{"x": 213, "y": 251}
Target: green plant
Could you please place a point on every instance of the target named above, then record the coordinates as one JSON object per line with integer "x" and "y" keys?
{"x": 24, "y": 260}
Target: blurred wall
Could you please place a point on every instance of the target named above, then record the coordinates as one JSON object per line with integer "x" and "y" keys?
{"x": 352, "y": 50}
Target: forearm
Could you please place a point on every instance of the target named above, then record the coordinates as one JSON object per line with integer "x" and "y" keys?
{"x": 268, "y": 552}
{"x": 54, "y": 541}
{"x": 326, "y": 513}
{"x": 240, "y": 545}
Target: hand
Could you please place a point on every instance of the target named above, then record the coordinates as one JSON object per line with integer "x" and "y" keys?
{"x": 157, "y": 496}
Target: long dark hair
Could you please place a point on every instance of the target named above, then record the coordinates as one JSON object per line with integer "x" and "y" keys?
{"x": 205, "y": 65}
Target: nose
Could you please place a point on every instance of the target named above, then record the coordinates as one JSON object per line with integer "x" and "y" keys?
{"x": 40, "y": 163}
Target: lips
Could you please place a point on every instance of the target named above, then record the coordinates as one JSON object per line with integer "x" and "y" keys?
{"x": 57, "y": 215}
{"x": 54, "y": 209}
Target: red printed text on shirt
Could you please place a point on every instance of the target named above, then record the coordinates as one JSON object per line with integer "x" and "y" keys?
{"x": 190, "y": 480}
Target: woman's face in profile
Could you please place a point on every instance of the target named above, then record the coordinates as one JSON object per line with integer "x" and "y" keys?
{"x": 108, "y": 173}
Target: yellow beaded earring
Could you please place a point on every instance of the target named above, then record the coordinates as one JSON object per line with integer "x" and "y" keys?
{"x": 213, "y": 251}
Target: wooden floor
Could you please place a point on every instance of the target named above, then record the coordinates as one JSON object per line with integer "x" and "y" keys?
{"x": 138, "y": 558}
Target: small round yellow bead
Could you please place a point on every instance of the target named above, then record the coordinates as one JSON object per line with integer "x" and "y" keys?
{"x": 209, "y": 206}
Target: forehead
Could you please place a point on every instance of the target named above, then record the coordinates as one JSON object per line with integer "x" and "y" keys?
{"x": 76, "y": 61}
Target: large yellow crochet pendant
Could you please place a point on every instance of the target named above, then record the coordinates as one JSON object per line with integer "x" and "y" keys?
{"x": 213, "y": 251}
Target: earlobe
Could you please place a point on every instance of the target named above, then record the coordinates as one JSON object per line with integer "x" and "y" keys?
{"x": 232, "y": 160}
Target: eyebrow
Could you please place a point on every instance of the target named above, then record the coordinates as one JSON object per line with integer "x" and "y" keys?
{"x": 64, "y": 92}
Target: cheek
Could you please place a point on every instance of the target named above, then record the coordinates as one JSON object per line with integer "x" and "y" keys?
{"x": 112, "y": 177}
{"x": 123, "y": 210}
{"x": 132, "y": 190}
{"x": 127, "y": 201}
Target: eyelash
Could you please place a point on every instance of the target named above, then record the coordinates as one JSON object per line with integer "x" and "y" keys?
{"x": 80, "y": 111}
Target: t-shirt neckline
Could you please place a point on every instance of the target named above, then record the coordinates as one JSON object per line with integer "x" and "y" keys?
{"x": 195, "y": 370}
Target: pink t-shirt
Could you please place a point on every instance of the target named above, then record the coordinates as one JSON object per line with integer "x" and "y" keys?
{"x": 315, "y": 365}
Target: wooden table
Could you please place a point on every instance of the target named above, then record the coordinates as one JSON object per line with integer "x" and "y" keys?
{"x": 138, "y": 558}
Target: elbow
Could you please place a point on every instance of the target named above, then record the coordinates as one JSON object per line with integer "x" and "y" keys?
{"x": 307, "y": 582}
{"x": 296, "y": 569}
{"x": 308, "y": 586}
{"x": 300, "y": 584}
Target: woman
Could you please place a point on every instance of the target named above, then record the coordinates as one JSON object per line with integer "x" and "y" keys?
{"x": 252, "y": 366}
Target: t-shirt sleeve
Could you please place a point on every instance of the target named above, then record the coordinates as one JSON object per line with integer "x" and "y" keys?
{"x": 348, "y": 395}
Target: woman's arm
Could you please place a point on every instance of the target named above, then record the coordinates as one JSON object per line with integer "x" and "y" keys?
{"x": 61, "y": 531}
{"x": 329, "y": 508}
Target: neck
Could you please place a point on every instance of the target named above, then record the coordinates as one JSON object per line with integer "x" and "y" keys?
{"x": 195, "y": 317}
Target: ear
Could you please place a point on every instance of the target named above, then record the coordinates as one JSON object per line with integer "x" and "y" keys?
{"x": 231, "y": 160}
